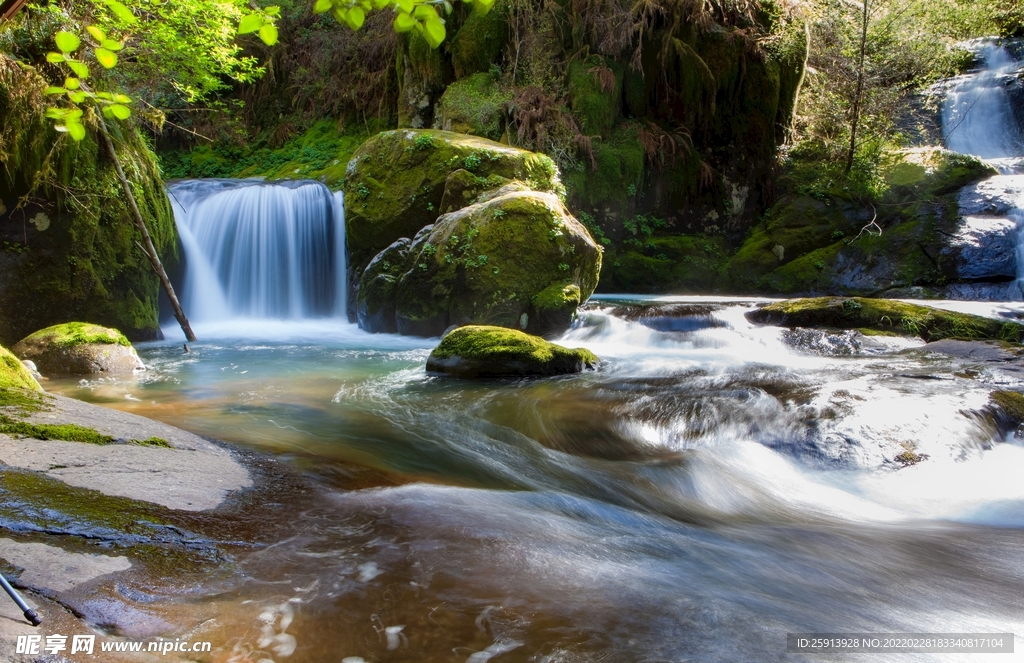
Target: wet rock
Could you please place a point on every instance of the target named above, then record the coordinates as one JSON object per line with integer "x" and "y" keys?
{"x": 480, "y": 351}
{"x": 996, "y": 196}
{"x": 79, "y": 348}
{"x": 518, "y": 260}
{"x": 885, "y": 315}
{"x": 985, "y": 249}
{"x": 682, "y": 317}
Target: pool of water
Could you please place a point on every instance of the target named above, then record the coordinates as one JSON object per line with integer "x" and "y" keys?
{"x": 711, "y": 488}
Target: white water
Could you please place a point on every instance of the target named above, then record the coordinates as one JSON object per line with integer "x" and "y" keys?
{"x": 258, "y": 252}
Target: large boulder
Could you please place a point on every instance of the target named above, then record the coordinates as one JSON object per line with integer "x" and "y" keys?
{"x": 514, "y": 258}
{"x": 79, "y": 348}
{"x": 884, "y": 315}
{"x": 481, "y": 351}
{"x": 395, "y": 181}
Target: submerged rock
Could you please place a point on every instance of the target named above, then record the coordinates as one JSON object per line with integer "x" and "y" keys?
{"x": 79, "y": 348}
{"x": 518, "y": 260}
{"x": 479, "y": 351}
{"x": 884, "y": 315}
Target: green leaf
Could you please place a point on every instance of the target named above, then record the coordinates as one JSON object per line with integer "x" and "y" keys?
{"x": 268, "y": 33}
{"x": 77, "y": 97}
{"x": 321, "y": 6}
{"x": 55, "y": 57}
{"x": 404, "y": 23}
{"x": 56, "y": 113}
{"x": 380, "y": 4}
{"x": 72, "y": 83}
{"x": 97, "y": 33}
{"x": 76, "y": 130}
{"x": 434, "y": 31}
{"x": 483, "y": 6}
{"x": 424, "y": 12}
{"x": 67, "y": 41}
{"x": 106, "y": 58}
{"x": 340, "y": 15}
{"x": 121, "y": 11}
{"x": 250, "y": 23}
{"x": 55, "y": 90}
{"x": 121, "y": 112}
{"x": 356, "y": 16}
{"x": 122, "y": 99}
{"x": 104, "y": 95}
{"x": 79, "y": 68}
{"x": 406, "y": 6}
{"x": 111, "y": 45}
{"x": 73, "y": 114}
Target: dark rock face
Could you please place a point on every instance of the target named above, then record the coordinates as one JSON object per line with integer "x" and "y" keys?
{"x": 985, "y": 249}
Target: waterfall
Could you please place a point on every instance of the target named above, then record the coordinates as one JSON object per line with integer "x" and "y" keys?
{"x": 978, "y": 119}
{"x": 260, "y": 251}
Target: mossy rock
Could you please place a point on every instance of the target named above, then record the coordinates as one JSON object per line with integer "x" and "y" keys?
{"x": 1009, "y": 406}
{"x": 483, "y": 351}
{"x": 933, "y": 171}
{"x": 480, "y": 40}
{"x": 14, "y": 375}
{"x": 474, "y": 105}
{"x": 677, "y": 264}
{"x": 930, "y": 324}
{"x": 396, "y": 180}
{"x": 79, "y": 348}
{"x": 518, "y": 260}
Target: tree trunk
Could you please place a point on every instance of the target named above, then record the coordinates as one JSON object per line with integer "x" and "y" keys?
{"x": 147, "y": 241}
{"x": 855, "y": 120}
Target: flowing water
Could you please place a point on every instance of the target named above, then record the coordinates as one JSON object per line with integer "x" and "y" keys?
{"x": 714, "y": 486}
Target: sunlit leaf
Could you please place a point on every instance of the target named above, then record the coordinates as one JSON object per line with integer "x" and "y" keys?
{"x": 55, "y": 57}
{"x": 250, "y": 23}
{"x": 56, "y": 113}
{"x": 79, "y": 68}
{"x": 97, "y": 33}
{"x": 268, "y": 33}
{"x": 55, "y": 90}
{"x": 111, "y": 45}
{"x": 120, "y": 11}
{"x": 424, "y": 12}
{"x": 404, "y": 23}
{"x": 104, "y": 95}
{"x": 106, "y": 58}
{"x": 356, "y": 16}
{"x": 120, "y": 112}
{"x": 72, "y": 83}
{"x": 78, "y": 96}
{"x": 67, "y": 41}
{"x": 122, "y": 99}
{"x": 321, "y": 6}
{"x": 107, "y": 113}
{"x": 76, "y": 129}
{"x": 406, "y": 5}
{"x": 381, "y": 4}
{"x": 433, "y": 31}
{"x": 340, "y": 14}
{"x": 73, "y": 114}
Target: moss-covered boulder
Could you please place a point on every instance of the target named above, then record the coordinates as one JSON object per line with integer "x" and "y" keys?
{"x": 396, "y": 180}
{"x": 517, "y": 260}
{"x": 474, "y": 105}
{"x": 885, "y": 315}
{"x": 482, "y": 351}
{"x": 14, "y": 374}
{"x": 79, "y": 348}
{"x": 933, "y": 171}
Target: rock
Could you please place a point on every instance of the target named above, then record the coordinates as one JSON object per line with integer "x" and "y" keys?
{"x": 14, "y": 374}
{"x": 396, "y": 180}
{"x": 481, "y": 351}
{"x": 934, "y": 171}
{"x": 79, "y": 348}
{"x": 884, "y": 315}
{"x": 985, "y": 249}
{"x": 996, "y": 196}
{"x": 474, "y": 105}
{"x": 496, "y": 261}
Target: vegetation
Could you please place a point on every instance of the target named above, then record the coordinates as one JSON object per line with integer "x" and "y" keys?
{"x": 481, "y": 351}
{"x": 72, "y": 334}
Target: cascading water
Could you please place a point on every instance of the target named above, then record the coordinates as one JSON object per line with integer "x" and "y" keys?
{"x": 978, "y": 119}
{"x": 261, "y": 251}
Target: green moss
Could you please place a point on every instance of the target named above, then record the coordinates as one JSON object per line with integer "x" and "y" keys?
{"x": 66, "y": 432}
{"x": 1011, "y": 403}
{"x": 480, "y": 40}
{"x": 475, "y": 105}
{"x": 482, "y": 351}
{"x": 14, "y": 375}
{"x": 73, "y": 334}
{"x": 928, "y": 323}
{"x": 153, "y": 442}
{"x": 932, "y": 171}
{"x": 595, "y": 91}
{"x": 619, "y": 170}
{"x": 396, "y": 181}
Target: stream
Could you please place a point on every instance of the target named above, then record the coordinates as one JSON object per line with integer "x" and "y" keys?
{"x": 713, "y": 487}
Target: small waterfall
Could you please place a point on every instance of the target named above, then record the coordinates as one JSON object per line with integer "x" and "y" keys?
{"x": 261, "y": 251}
{"x": 978, "y": 119}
